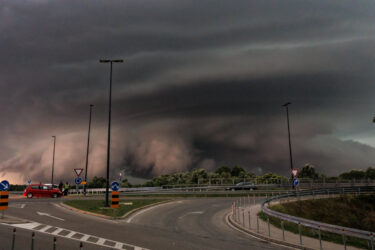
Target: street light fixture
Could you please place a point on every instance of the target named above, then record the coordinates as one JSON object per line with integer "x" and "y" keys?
{"x": 109, "y": 123}
{"x": 53, "y": 157}
{"x": 290, "y": 144}
{"x": 87, "y": 153}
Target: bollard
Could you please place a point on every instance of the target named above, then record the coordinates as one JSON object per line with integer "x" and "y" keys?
{"x": 32, "y": 240}
{"x": 54, "y": 243}
{"x": 80, "y": 246}
{"x": 243, "y": 217}
{"x": 249, "y": 219}
{"x": 300, "y": 233}
{"x": 344, "y": 240}
{"x": 268, "y": 225}
{"x": 14, "y": 238}
{"x": 257, "y": 224}
{"x": 282, "y": 227}
{"x": 320, "y": 239}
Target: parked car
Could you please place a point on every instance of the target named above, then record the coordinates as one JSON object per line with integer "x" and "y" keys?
{"x": 42, "y": 190}
{"x": 242, "y": 186}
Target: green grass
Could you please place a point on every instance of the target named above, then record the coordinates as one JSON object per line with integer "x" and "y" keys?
{"x": 98, "y": 206}
{"x": 348, "y": 211}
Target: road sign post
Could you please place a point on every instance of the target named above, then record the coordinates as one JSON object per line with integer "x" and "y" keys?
{"x": 115, "y": 194}
{"x": 4, "y": 195}
{"x": 78, "y": 171}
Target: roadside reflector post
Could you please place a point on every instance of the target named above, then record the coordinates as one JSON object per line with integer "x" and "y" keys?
{"x": 257, "y": 224}
{"x": 300, "y": 233}
{"x": 243, "y": 217}
{"x": 4, "y": 195}
{"x": 282, "y": 227}
{"x": 32, "y": 240}
{"x": 14, "y": 238}
{"x": 372, "y": 241}
{"x": 268, "y": 225}
{"x": 80, "y": 246}
{"x": 115, "y": 199}
{"x": 344, "y": 240}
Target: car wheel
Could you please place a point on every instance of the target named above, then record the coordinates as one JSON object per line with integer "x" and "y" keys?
{"x": 54, "y": 195}
{"x": 29, "y": 195}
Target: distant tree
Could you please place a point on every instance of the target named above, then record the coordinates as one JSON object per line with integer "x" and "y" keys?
{"x": 370, "y": 173}
{"x": 223, "y": 169}
{"x": 125, "y": 183}
{"x": 97, "y": 182}
{"x": 236, "y": 171}
{"x": 353, "y": 174}
{"x": 198, "y": 174}
{"x": 308, "y": 171}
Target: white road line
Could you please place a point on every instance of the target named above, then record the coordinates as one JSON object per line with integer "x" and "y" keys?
{"x": 84, "y": 238}
{"x": 45, "y": 229}
{"x": 195, "y": 212}
{"x": 145, "y": 210}
{"x": 57, "y": 231}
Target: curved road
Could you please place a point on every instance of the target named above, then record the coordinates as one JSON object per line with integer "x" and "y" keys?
{"x": 181, "y": 224}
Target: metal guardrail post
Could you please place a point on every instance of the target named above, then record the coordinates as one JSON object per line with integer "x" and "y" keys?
{"x": 320, "y": 239}
{"x": 243, "y": 217}
{"x": 372, "y": 241}
{"x": 282, "y": 227}
{"x": 32, "y": 240}
{"x": 300, "y": 233}
{"x": 344, "y": 241}
{"x": 13, "y": 238}
{"x": 268, "y": 225}
{"x": 257, "y": 224}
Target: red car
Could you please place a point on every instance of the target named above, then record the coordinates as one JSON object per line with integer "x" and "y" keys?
{"x": 42, "y": 190}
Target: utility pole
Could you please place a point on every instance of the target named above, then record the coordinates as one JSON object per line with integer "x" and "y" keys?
{"x": 87, "y": 153}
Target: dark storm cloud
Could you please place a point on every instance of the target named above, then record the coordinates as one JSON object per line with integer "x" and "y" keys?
{"x": 202, "y": 84}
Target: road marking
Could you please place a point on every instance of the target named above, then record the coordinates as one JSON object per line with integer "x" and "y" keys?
{"x": 48, "y": 215}
{"x": 17, "y": 205}
{"x": 145, "y": 210}
{"x": 195, "y": 212}
{"x": 85, "y": 237}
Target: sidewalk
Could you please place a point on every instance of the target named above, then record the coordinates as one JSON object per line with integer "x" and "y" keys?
{"x": 247, "y": 223}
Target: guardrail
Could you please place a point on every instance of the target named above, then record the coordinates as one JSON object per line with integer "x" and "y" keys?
{"x": 320, "y": 225}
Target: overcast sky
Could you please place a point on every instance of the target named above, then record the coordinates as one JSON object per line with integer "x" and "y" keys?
{"x": 202, "y": 85}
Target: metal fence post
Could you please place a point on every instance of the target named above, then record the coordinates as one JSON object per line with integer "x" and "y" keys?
{"x": 320, "y": 238}
{"x": 282, "y": 227}
{"x": 32, "y": 240}
{"x": 268, "y": 225}
{"x": 14, "y": 238}
{"x": 249, "y": 213}
{"x": 300, "y": 233}
{"x": 54, "y": 243}
{"x": 257, "y": 224}
{"x": 344, "y": 241}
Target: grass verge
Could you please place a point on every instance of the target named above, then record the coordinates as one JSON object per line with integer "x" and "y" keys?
{"x": 98, "y": 206}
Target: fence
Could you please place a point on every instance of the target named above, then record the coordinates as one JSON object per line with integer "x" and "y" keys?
{"x": 315, "y": 225}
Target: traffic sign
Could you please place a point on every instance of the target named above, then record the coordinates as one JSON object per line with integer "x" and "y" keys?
{"x": 115, "y": 186}
{"x": 83, "y": 183}
{"x": 4, "y": 185}
{"x": 77, "y": 180}
{"x": 78, "y": 171}
{"x": 29, "y": 181}
{"x": 295, "y": 182}
{"x": 294, "y": 172}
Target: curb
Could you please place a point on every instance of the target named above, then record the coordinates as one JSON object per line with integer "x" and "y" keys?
{"x": 109, "y": 217}
{"x": 263, "y": 237}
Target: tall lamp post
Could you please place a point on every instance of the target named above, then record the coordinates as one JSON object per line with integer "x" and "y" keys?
{"x": 53, "y": 157}
{"x": 87, "y": 153}
{"x": 290, "y": 144}
{"x": 110, "y": 61}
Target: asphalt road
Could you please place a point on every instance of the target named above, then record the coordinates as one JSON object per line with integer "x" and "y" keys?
{"x": 181, "y": 224}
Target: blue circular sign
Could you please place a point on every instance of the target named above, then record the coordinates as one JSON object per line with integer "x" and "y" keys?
{"x": 78, "y": 180}
{"x": 295, "y": 182}
{"x": 29, "y": 181}
{"x": 4, "y": 185}
{"x": 115, "y": 186}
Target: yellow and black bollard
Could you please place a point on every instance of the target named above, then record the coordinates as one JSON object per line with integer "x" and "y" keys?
{"x": 115, "y": 199}
{"x": 3, "y": 202}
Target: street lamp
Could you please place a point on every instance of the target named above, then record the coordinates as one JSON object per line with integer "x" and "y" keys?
{"x": 53, "y": 157}
{"x": 290, "y": 144}
{"x": 87, "y": 153}
{"x": 109, "y": 122}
